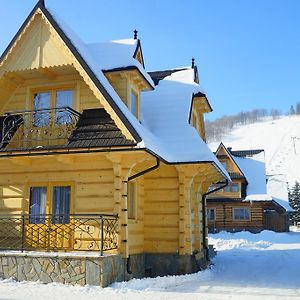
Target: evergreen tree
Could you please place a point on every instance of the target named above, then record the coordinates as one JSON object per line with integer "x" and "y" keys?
{"x": 292, "y": 110}
{"x": 298, "y": 108}
{"x": 294, "y": 201}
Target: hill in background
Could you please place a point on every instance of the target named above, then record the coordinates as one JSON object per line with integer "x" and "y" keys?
{"x": 280, "y": 138}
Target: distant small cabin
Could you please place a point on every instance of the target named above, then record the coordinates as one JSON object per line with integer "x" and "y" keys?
{"x": 244, "y": 204}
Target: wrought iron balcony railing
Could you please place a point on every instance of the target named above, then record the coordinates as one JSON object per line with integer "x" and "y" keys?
{"x": 75, "y": 232}
{"x": 37, "y": 128}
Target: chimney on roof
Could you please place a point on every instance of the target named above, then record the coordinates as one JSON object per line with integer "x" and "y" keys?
{"x": 42, "y": 3}
{"x": 135, "y": 36}
{"x": 193, "y": 63}
{"x": 229, "y": 149}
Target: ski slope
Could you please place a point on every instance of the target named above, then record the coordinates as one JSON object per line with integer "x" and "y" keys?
{"x": 279, "y": 138}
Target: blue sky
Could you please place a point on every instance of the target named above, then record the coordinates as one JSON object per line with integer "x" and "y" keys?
{"x": 247, "y": 51}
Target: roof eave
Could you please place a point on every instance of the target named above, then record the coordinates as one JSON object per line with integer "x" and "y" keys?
{"x": 130, "y": 68}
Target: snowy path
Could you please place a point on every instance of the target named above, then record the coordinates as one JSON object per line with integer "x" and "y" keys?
{"x": 261, "y": 266}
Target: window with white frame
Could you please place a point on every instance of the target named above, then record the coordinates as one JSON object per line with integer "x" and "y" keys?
{"x": 242, "y": 214}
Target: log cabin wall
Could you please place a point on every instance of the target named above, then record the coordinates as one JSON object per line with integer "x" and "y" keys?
{"x": 92, "y": 180}
{"x": 162, "y": 211}
{"x": 224, "y": 219}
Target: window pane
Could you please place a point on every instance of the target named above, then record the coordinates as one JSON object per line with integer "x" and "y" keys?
{"x": 242, "y": 214}
{"x": 133, "y": 104}
{"x": 210, "y": 214}
{"x": 235, "y": 187}
{"x": 247, "y": 214}
{"x": 37, "y": 207}
{"x": 237, "y": 213}
{"x": 227, "y": 189}
{"x": 41, "y": 102}
{"x": 61, "y": 204}
{"x": 64, "y": 99}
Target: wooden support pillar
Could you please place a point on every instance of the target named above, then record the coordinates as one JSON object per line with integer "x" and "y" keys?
{"x": 121, "y": 174}
{"x": 205, "y": 186}
{"x": 181, "y": 214}
{"x": 185, "y": 223}
{"x": 197, "y": 202}
{"x": 124, "y": 242}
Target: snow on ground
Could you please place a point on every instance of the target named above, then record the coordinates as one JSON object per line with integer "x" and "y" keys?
{"x": 248, "y": 266}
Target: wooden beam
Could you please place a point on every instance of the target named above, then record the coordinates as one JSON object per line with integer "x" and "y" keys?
{"x": 47, "y": 73}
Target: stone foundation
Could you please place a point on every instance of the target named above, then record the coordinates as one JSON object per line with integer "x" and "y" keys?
{"x": 173, "y": 264}
{"x": 62, "y": 268}
{"x": 94, "y": 270}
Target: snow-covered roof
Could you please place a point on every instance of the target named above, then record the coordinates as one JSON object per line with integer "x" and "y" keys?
{"x": 118, "y": 54}
{"x": 114, "y": 54}
{"x": 258, "y": 189}
{"x": 165, "y": 112}
{"x": 277, "y": 187}
{"x": 165, "y": 129}
{"x": 255, "y": 172}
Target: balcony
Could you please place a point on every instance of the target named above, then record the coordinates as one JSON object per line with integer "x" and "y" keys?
{"x": 36, "y": 129}
{"x": 77, "y": 232}
{"x": 59, "y": 128}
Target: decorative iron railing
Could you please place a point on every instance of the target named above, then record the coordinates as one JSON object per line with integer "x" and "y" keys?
{"x": 38, "y": 128}
{"x": 75, "y": 232}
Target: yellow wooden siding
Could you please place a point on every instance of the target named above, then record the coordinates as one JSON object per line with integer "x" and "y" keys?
{"x": 37, "y": 49}
{"x": 136, "y": 226}
{"x": 93, "y": 180}
{"x": 162, "y": 210}
{"x": 120, "y": 85}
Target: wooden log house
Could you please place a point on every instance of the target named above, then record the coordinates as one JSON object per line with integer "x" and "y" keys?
{"x": 244, "y": 204}
{"x": 88, "y": 165}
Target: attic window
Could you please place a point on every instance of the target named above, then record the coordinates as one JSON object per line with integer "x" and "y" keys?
{"x": 134, "y": 104}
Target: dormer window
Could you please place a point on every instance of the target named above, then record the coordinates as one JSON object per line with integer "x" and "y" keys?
{"x": 134, "y": 105}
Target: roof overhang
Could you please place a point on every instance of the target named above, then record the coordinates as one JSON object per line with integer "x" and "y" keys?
{"x": 135, "y": 69}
